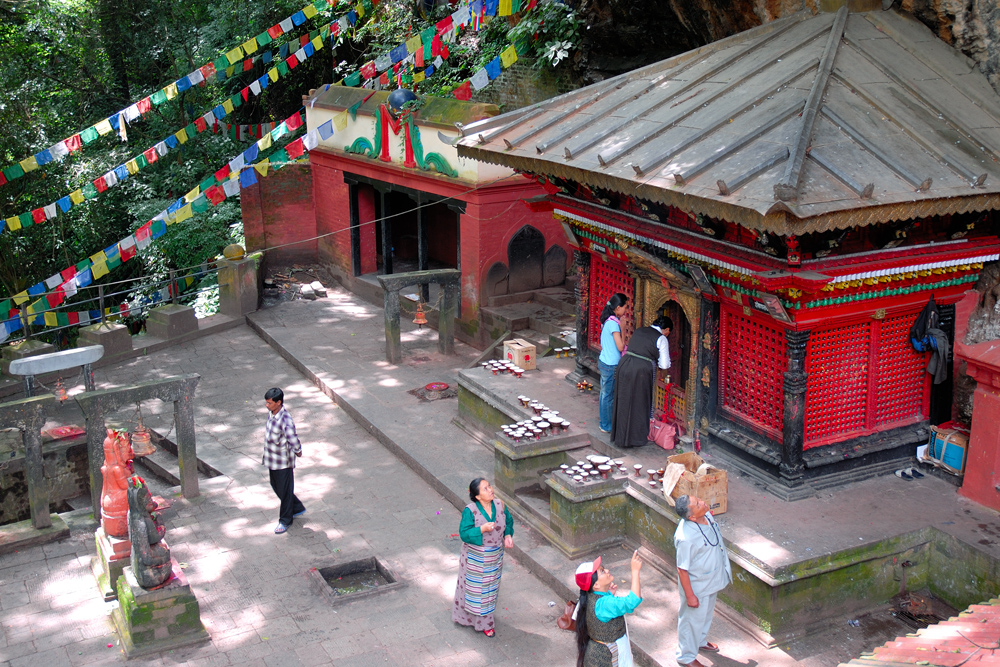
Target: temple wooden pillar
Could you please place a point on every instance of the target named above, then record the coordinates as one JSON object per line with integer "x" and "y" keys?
{"x": 794, "y": 422}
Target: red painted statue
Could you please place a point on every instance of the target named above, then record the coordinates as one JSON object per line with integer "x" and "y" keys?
{"x": 115, "y": 471}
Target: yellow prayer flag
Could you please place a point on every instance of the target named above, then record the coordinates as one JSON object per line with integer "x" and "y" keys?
{"x": 98, "y": 257}
{"x": 309, "y": 11}
{"x": 183, "y": 213}
{"x": 317, "y": 43}
{"x": 50, "y": 319}
{"x": 76, "y": 197}
{"x": 132, "y": 166}
{"x": 99, "y": 269}
{"x": 171, "y": 91}
{"x": 360, "y": 10}
{"x": 265, "y": 142}
{"x": 418, "y": 77}
{"x": 21, "y": 297}
{"x": 182, "y": 135}
{"x": 250, "y": 45}
{"x": 191, "y": 196}
{"x": 272, "y": 74}
{"x": 104, "y": 127}
{"x": 35, "y": 307}
{"x": 340, "y": 120}
{"x": 13, "y": 224}
{"x": 234, "y": 56}
{"x": 262, "y": 166}
{"x": 230, "y": 70}
{"x": 29, "y": 164}
{"x": 508, "y": 56}
{"x": 227, "y": 106}
{"x": 505, "y": 8}
{"x": 413, "y": 43}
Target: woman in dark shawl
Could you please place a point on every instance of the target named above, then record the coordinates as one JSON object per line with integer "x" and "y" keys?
{"x": 635, "y": 381}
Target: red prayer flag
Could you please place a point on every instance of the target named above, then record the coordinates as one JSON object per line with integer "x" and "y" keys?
{"x": 444, "y": 50}
{"x": 384, "y": 79}
{"x": 222, "y": 173}
{"x": 143, "y": 105}
{"x": 291, "y": 61}
{"x": 3, "y": 179}
{"x": 294, "y": 121}
{"x": 68, "y": 273}
{"x": 150, "y": 155}
{"x": 245, "y": 93}
{"x": 418, "y": 58}
{"x": 127, "y": 253}
{"x": 200, "y": 123}
{"x": 100, "y": 184}
{"x": 144, "y": 232}
{"x": 215, "y": 195}
{"x": 207, "y": 71}
{"x": 275, "y": 31}
{"x": 463, "y": 92}
{"x": 295, "y": 149}
{"x": 303, "y": 39}
{"x": 395, "y": 68}
{"x": 444, "y": 25}
{"x": 56, "y": 297}
{"x": 73, "y": 143}
{"x": 335, "y": 28}
{"x": 248, "y": 64}
{"x": 73, "y": 318}
{"x": 38, "y": 215}
{"x": 368, "y": 70}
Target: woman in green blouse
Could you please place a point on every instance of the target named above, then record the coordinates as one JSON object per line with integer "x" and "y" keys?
{"x": 486, "y": 529}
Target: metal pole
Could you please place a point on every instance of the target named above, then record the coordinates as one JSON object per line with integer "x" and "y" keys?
{"x": 88, "y": 377}
{"x": 24, "y": 323}
{"x": 29, "y": 386}
{"x": 173, "y": 287}
{"x": 100, "y": 300}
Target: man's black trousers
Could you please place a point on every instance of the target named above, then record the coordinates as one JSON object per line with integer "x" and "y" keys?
{"x": 283, "y": 483}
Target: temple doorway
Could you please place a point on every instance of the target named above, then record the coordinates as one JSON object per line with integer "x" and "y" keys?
{"x": 672, "y": 384}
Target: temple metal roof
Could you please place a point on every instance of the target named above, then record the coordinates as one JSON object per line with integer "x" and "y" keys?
{"x": 809, "y": 123}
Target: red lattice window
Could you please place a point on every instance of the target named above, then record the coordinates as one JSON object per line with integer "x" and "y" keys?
{"x": 902, "y": 385}
{"x": 837, "y": 390}
{"x": 752, "y": 362}
{"x": 606, "y": 278}
{"x": 864, "y": 378}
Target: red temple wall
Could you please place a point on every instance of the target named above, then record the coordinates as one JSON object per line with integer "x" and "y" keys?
{"x": 278, "y": 210}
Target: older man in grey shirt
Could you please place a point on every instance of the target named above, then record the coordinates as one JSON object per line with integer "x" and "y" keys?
{"x": 703, "y": 570}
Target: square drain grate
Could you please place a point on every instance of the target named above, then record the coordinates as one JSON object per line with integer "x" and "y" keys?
{"x": 355, "y": 579}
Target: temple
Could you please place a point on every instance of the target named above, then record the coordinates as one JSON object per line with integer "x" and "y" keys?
{"x": 792, "y": 196}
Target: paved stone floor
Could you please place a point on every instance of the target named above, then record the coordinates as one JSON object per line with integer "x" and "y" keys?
{"x": 257, "y": 602}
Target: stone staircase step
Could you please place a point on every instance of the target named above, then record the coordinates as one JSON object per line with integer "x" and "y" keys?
{"x": 528, "y": 315}
{"x": 161, "y": 464}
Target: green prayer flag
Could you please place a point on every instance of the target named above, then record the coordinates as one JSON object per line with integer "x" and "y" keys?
{"x": 89, "y": 191}
{"x": 62, "y": 319}
{"x": 264, "y": 38}
{"x": 369, "y": 8}
{"x": 515, "y": 6}
{"x": 5, "y": 307}
{"x": 141, "y": 161}
{"x": 191, "y": 130}
{"x": 280, "y": 156}
{"x": 13, "y": 171}
{"x": 408, "y": 78}
{"x": 353, "y": 80}
{"x": 353, "y": 109}
{"x": 283, "y": 68}
{"x": 428, "y": 51}
{"x": 89, "y": 135}
{"x": 237, "y": 100}
{"x": 200, "y": 205}
{"x": 84, "y": 265}
{"x": 159, "y": 97}
{"x": 313, "y": 34}
{"x": 321, "y": 5}
{"x": 114, "y": 261}
{"x": 221, "y": 63}
{"x": 325, "y": 33}
{"x": 279, "y": 132}
{"x": 25, "y": 219}
{"x": 207, "y": 183}
{"x": 426, "y": 36}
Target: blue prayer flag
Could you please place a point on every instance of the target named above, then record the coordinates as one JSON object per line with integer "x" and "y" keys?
{"x": 493, "y": 68}
{"x": 64, "y": 203}
{"x": 176, "y": 206}
{"x": 352, "y": 17}
{"x": 121, "y": 171}
{"x": 94, "y": 314}
{"x": 36, "y": 289}
{"x": 250, "y": 154}
{"x": 326, "y": 130}
{"x": 298, "y": 18}
{"x": 219, "y": 112}
{"x": 283, "y": 50}
{"x": 43, "y": 157}
{"x": 248, "y": 178}
{"x": 398, "y": 53}
{"x": 111, "y": 250}
{"x": 38, "y": 320}
{"x": 477, "y": 7}
{"x": 264, "y": 81}
{"x": 267, "y": 57}
{"x": 158, "y": 229}
{"x": 491, "y": 7}
{"x": 114, "y": 122}
{"x": 84, "y": 278}
{"x": 171, "y": 141}
{"x": 429, "y": 70}
{"x": 309, "y": 49}
{"x": 183, "y": 84}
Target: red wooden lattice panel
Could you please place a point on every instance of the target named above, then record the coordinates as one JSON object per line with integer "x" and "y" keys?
{"x": 900, "y": 387}
{"x": 837, "y": 391}
{"x": 606, "y": 278}
{"x": 752, "y": 363}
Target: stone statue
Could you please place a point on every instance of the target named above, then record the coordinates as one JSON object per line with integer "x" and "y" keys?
{"x": 150, "y": 554}
{"x": 115, "y": 471}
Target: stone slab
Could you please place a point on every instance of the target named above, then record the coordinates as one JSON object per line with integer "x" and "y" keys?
{"x": 56, "y": 361}
{"x": 171, "y": 321}
{"x": 113, "y": 556}
{"x": 21, "y": 535}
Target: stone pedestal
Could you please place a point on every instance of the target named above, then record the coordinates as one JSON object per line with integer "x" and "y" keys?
{"x": 110, "y": 562}
{"x": 981, "y": 482}
{"x": 237, "y": 287}
{"x": 520, "y": 465}
{"x": 114, "y": 337}
{"x": 171, "y": 321}
{"x": 158, "y": 620}
{"x": 27, "y": 348}
{"x": 587, "y": 515}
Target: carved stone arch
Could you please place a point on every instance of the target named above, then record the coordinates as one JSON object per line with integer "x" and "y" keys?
{"x": 554, "y": 267}
{"x": 525, "y": 255}
{"x": 497, "y": 281}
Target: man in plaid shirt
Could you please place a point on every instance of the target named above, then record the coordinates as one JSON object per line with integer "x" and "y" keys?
{"x": 280, "y": 442}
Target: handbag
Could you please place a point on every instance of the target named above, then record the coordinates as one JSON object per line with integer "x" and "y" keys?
{"x": 663, "y": 434}
{"x": 566, "y": 621}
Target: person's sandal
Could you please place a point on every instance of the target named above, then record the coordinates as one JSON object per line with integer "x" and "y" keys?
{"x": 903, "y": 475}
{"x": 490, "y": 633}
{"x": 710, "y": 647}
{"x": 280, "y": 528}
{"x": 915, "y": 474}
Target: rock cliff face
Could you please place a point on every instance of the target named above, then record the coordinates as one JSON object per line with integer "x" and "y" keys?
{"x": 626, "y": 34}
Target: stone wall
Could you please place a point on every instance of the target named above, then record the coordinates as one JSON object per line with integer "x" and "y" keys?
{"x": 65, "y": 465}
{"x": 524, "y": 84}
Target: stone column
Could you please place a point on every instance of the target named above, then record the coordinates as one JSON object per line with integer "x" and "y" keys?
{"x": 707, "y": 380}
{"x": 446, "y": 317}
{"x": 793, "y": 426}
{"x": 187, "y": 455}
{"x": 393, "y": 345}
{"x": 582, "y": 260}
{"x": 237, "y": 287}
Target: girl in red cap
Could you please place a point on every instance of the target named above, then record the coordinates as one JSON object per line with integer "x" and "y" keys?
{"x": 601, "y": 635}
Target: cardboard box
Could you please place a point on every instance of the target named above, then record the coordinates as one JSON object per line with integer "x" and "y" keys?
{"x": 712, "y": 487}
{"x": 521, "y": 352}
{"x": 947, "y": 449}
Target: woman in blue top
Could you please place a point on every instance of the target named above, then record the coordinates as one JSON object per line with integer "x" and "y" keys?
{"x": 601, "y": 635}
{"x": 612, "y": 344}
